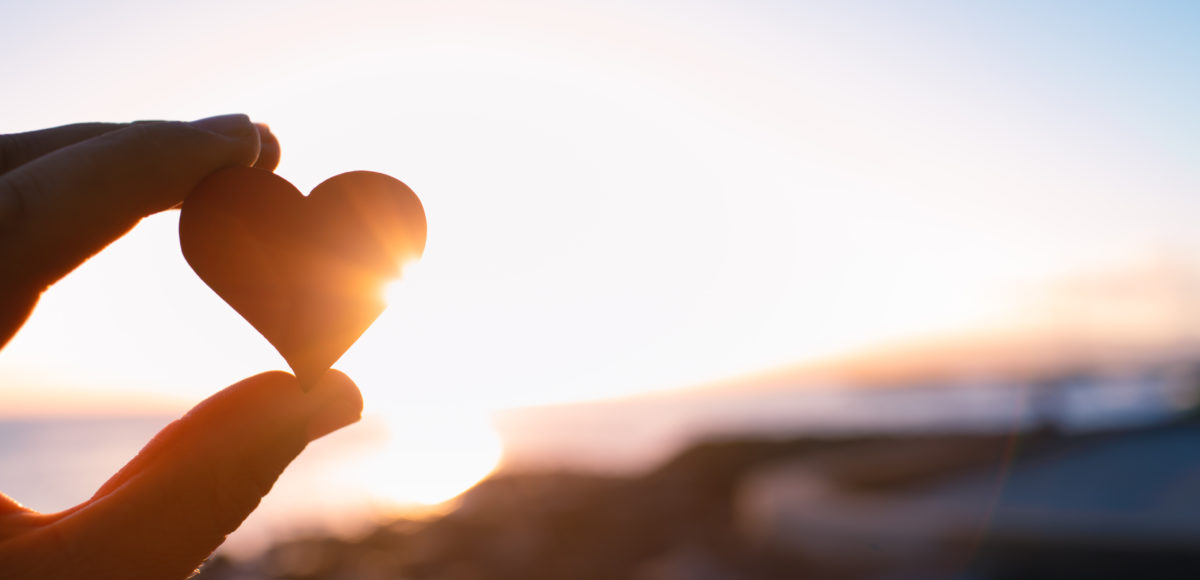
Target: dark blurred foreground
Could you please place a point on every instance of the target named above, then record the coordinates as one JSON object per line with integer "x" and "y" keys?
{"x": 1040, "y": 504}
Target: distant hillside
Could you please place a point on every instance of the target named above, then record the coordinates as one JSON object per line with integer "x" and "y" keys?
{"x": 962, "y": 358}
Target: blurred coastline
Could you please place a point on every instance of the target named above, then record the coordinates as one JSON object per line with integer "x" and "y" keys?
{"x": 1071, "y": 474}
{"x": 964, "y": 476}
{"x": 628, "y": 197}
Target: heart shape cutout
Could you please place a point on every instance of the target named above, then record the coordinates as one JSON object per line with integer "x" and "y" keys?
{"x": 306, "y": 272}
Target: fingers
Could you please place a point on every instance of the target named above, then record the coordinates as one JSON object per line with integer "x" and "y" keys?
{"x": 62, "y": 207}
{"x": 9, "y": 505}
{"x": 17, "y": 149}
{"x": 15, "y": 519}
{"x": 268, "y": 150}
{"x": 20, "y": 148}
{"x": 199, "y": 478}
{"x": 67, "y": 192}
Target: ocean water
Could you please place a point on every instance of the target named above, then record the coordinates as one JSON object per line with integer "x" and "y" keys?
{"x": 51, "y": 464}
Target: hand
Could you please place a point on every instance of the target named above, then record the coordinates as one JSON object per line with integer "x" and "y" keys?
{"x": 66, "y": 193}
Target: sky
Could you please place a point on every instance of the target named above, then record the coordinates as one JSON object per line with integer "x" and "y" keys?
{"x": 631, "y": 196}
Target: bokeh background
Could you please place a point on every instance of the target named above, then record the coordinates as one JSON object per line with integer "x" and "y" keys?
{"x": 652, "y": 224}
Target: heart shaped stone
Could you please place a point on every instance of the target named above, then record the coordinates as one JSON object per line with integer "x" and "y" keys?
{"x": 306, "y": 272}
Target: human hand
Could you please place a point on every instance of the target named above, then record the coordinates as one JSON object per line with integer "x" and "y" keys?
{"x": 65, "y": 194}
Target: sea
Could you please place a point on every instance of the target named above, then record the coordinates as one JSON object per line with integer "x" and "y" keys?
{"x": 51, "y": 464}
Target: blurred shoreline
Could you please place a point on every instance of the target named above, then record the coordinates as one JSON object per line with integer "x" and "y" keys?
{"x": 934, "y": 505}
{"x": 722, "y": 457}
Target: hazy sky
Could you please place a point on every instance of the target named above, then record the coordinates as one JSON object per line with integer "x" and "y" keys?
{"x": 631, "y": 195}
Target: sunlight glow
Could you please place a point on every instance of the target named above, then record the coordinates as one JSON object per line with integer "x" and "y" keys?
{"x": 430, "y": 457}
{"x": 621, "y": 200}
{"x": 393, "y": 291}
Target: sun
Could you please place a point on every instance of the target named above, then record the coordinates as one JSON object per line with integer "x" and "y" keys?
{"x": 434, "y": 448}
{"x": 393, "y": 291}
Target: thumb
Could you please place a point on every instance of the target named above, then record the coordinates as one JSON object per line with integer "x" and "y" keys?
{"x": 196, "y": 481}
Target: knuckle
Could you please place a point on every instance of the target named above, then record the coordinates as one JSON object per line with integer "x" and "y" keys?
{"x": 148, "y": 133}
{"x": 156, "y": 134}
{"x": 148, "y": 149}
{"x": 147, "y": 140}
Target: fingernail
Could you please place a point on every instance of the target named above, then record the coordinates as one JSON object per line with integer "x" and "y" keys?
{"x": 235, "y": 126}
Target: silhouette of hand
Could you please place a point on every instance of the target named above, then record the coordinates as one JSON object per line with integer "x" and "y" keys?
{"x": 66, "y": 193}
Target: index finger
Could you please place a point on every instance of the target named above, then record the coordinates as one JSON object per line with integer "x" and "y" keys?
{"x": 60, "y": 209}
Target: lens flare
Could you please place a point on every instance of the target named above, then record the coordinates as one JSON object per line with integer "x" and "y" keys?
{"x": 394, "y": 290}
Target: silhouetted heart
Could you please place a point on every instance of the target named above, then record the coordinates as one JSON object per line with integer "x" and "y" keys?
{"x": 306, "y": 272}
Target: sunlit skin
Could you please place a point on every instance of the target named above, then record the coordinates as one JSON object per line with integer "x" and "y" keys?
{"x": 65, "y": 194}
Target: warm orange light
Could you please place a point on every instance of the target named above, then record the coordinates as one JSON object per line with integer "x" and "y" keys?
{"x": 393, "y": 290}
{"x": 426, "y": 463}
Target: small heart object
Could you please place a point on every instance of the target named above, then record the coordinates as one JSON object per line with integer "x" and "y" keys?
{"x": 306, "y": 272}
